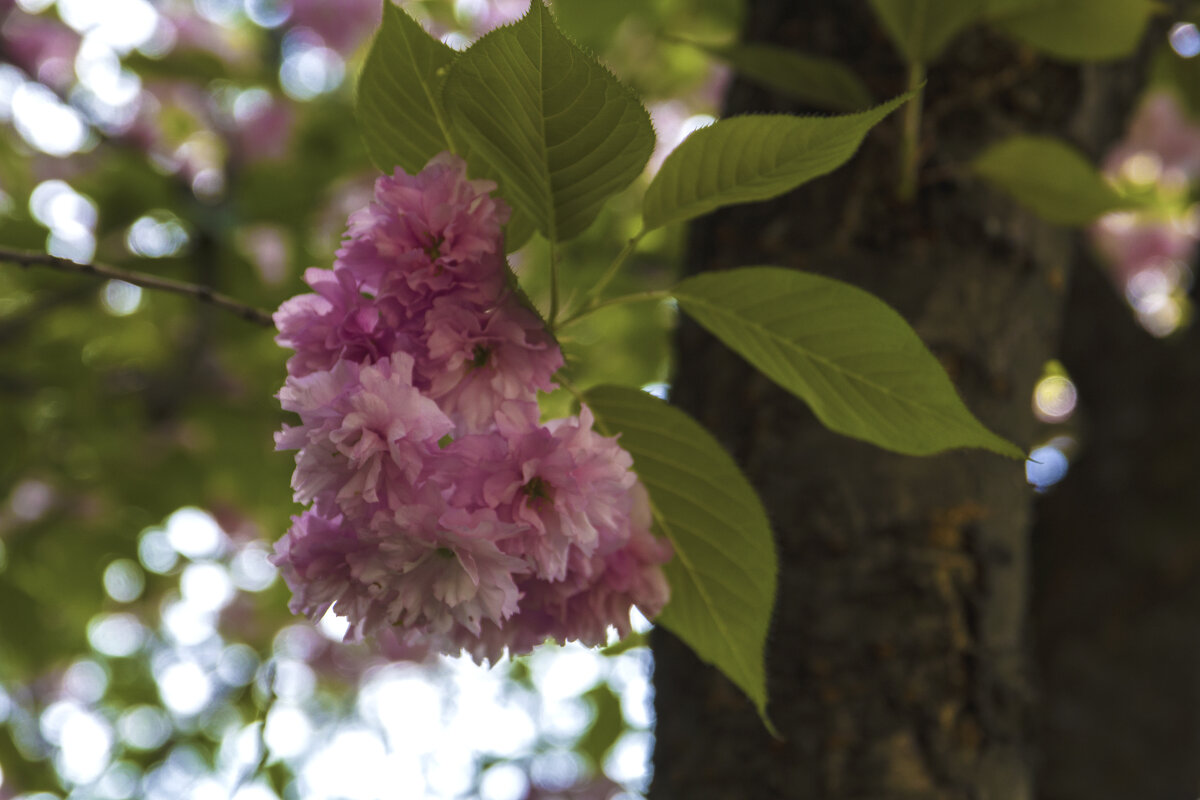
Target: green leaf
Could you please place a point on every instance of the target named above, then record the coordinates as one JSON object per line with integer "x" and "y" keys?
{"x": 723, "y": 574}
{"x": 822, "y": 82}
{"x": 561, "y": 131}
{"x": 921, "y": 29}
{"x": 400, "y": 107}
{"x": 745, "y": 159}
{"x": 845, "y": 352}
{"x": 1075, "y": 30}
{"x": 399, "y": 91}
{"x": 1053, "y": 179}
{"x": 593, "y": 24}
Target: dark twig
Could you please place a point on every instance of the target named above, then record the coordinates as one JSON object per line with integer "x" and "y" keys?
{"x": 204, "y": 293}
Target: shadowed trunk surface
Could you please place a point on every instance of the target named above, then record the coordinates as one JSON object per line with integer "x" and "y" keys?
{"x": 1117, "y": 565}
{"x": 897, "y": 659}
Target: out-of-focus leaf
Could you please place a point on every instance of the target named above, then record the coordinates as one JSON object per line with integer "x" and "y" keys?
{"x": 854, "y": 360}
{"x": 593, "y": 24}
{"x": 1074, "y": 30}
{"x": 819, "y": 81}
{"x": 181, "y": 64}
{"x": 722, "y": 577}
{"x": 921, "y": 29}
{"x": 1051, "y": 178}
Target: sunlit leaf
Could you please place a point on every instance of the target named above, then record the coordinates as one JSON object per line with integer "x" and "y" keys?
{"x": 399, "y": 94}
{"x": 1076, "y": 30}
{"x": 561, "y": 131}
{"x": 921, "y": 29}
{"x": 1053, "y": 179}
{"x": 400, "y": 110}
{"x": 819, "y": 81}
{"x": 850, "y": 356}
{"x": 723, "y": 574}
{"x": 744, "y": 159}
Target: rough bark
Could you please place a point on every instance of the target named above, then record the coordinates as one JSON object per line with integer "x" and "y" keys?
{"x": 896, "y": 661}
{"x": 1117, "y": 565}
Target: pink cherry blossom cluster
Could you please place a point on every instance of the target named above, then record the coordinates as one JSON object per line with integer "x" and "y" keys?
{"x": 439, "y": 504}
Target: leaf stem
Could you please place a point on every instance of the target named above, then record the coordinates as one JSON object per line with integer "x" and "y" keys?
{"x": 636, "y": 297}
{"x": 553, "y": 321}
{"x": 205, "y": 294}
{"x": 909, "y": 155}
{"x": 616, "y": 265}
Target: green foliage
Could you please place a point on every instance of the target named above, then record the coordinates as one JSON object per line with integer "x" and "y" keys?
{"x": 630, "y": 642}
{"x": 1050, "y": 177}
{"x": 921, "y": 29}
{"x": 815, "y": 80}
{"x": 399, "y": 94}
{"x": 593, "y": 24}
{"x": 1074, "y": 30}
{"x": 1172, "y": 72}
{"x": 723, "y": 574}
{"x": 561, "y": 131}
{"x": 607, "y": 725}
{"x": 854, "y": 360}
{"x": 744, "y": 159}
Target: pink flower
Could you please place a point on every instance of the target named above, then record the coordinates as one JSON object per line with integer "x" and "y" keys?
{"x": 565, "y": 485}
{"x": 367, "y": 433}
{"x": 447, "y": 573}
{"x": 337, "y": 323}
{"x": 440, "y": 506}
{"x": 313, "y": 558}
{"x": 479, "y": 360}
{"x": 429, "y": 233}
{"x": 601, "y": 589}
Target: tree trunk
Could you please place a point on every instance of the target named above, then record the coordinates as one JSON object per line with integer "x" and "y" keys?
{"x": 897, "y": 662}
{"x": 1117, "y": 565}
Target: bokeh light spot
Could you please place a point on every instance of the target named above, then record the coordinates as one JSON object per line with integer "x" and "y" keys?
{"x": 124, "y": 580}
{"x": 1054, "y": 398}
{"x": 144, "y": 728}
{"x": 1185, "y": 39}
{"x": 1046, "y": 466}
{"x": 185, "y": 688}
{"x": 155, "y": 551}
{"x": 121, "y": 299}
{"x": 116, "y": 635}
{"x": 194, "y": 533}
{"x": 504, "y": 782}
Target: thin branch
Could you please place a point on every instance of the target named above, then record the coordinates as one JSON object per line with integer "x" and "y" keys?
{"x": 203, "y": 293}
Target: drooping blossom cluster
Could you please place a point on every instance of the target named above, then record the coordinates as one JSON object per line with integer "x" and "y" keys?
{"x": 439, "y": 505}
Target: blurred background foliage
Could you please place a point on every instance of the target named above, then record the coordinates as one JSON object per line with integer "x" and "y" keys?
{"x": 144, "y": 637}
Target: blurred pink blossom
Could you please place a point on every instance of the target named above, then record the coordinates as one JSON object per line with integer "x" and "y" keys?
{"x": 342, "y": 25}
{"x": 43, "y": 47}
